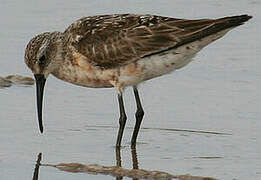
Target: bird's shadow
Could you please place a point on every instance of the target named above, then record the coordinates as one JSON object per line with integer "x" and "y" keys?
{"x": 116, "y": 171}
{"x": 72, "y": 167}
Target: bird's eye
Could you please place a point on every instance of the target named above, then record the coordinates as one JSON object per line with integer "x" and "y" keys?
{"x": 42, "y": 60}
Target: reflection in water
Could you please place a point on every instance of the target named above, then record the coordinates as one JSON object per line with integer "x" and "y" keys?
{"x": 134, "y": 159}
{"x": 118, "y": 160}
{"x": 37, "y": 166}
{"x": 116, "y": 171}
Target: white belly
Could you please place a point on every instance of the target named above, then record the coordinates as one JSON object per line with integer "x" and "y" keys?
{"x": 166, "y": 62}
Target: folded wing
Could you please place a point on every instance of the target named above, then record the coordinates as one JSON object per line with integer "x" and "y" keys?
{"x": 114, "y": 40}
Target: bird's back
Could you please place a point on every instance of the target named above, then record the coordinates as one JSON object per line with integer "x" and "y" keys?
{"x": 115, "y": 40}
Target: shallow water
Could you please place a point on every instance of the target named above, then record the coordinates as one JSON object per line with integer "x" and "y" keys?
{"x": 218, "y": 92}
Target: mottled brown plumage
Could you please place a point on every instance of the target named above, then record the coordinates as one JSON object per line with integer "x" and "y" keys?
{"x": 114, "y": 40}
{"x": 121, "y": 50}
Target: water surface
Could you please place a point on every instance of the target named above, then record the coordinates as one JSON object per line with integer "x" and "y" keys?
{"x": 218, "y": 92}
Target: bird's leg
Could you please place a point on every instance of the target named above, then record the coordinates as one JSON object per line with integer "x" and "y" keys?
{"x": 122, "y": 120}
{"x": 139, "y": 115}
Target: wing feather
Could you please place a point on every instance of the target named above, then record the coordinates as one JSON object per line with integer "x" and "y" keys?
{"x": 114, "y": 40}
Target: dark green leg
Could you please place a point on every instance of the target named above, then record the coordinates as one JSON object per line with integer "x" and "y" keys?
{"x": 122, "y": 120}
{"x": 139, "y": 115}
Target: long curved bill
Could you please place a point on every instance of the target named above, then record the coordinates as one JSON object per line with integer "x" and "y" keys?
{"x": 40, "y": 82}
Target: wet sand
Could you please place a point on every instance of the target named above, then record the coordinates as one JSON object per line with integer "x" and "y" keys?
{"x": 115, "y": 171}
{"x": 10, "y": 80}
{"x": 5, "y": 82}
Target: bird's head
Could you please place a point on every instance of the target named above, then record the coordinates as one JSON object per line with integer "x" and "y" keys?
{"x": 40, "y": 57}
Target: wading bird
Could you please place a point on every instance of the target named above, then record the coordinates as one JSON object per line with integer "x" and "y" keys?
{"x": 121, "y": 50}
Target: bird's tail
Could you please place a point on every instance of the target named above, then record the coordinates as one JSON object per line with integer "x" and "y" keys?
{"x": 207, "y": 27}
{"x": 230, "y": 22}
{"x": 234, "y": 20}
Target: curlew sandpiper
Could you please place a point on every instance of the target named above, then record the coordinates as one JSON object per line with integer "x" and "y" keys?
{"x": 121, "y": 50}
